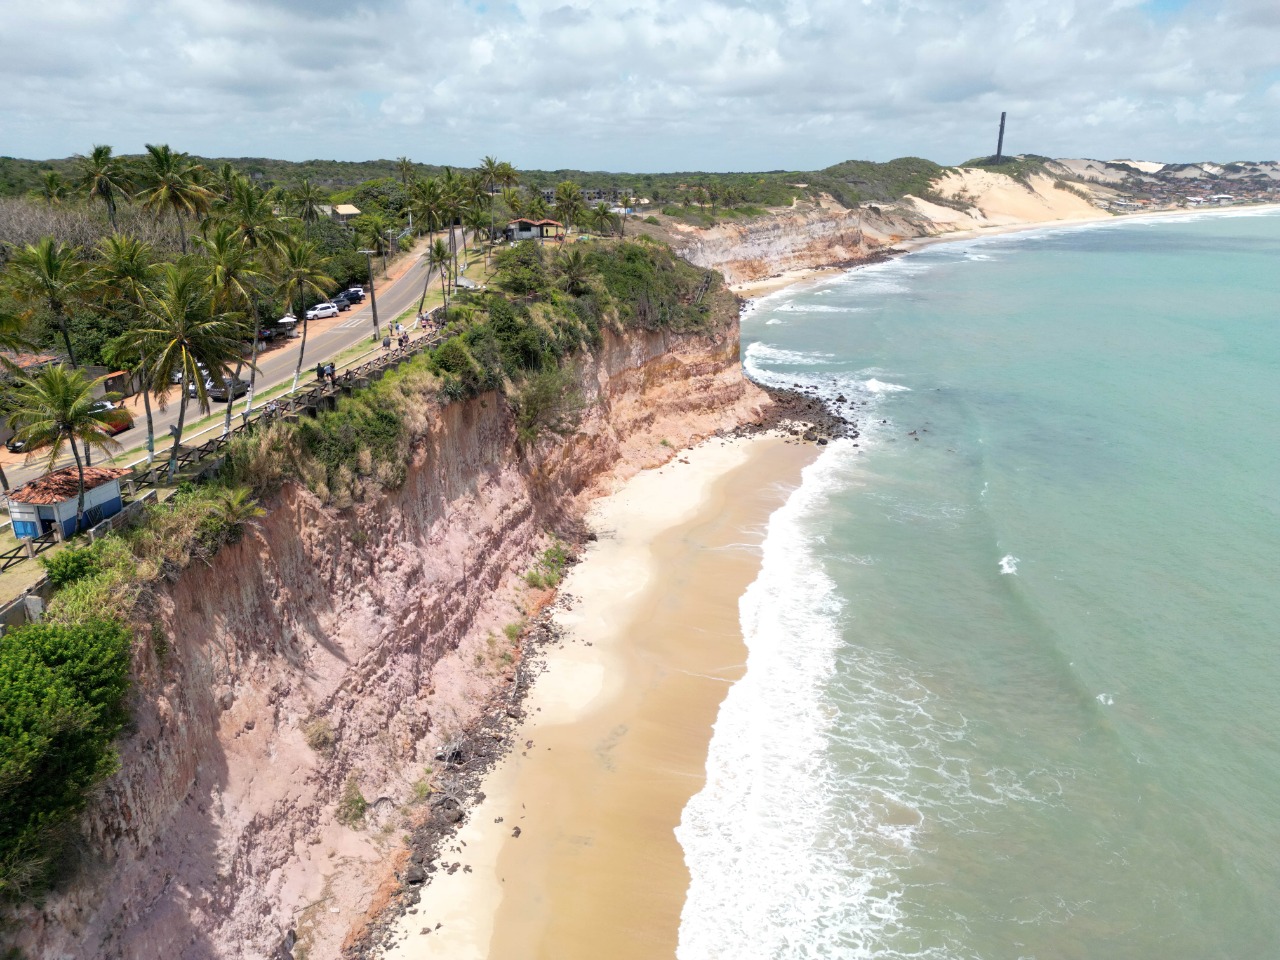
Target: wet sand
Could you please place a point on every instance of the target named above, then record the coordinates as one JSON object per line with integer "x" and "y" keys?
{"x": 619, "y": 725}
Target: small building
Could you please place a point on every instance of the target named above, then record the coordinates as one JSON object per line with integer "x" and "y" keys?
{"x": 345, "y": 212}
{"x": 36, "y": 507}
{"x": 525, "y": 229}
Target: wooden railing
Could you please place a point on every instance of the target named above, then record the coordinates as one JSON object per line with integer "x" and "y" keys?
{"x": 145, "y": 478}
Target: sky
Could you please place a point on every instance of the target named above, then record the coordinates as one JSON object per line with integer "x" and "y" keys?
{"x": 662, "y": 85}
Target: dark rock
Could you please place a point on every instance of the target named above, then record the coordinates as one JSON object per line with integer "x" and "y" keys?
{"x": 415, "y": 874}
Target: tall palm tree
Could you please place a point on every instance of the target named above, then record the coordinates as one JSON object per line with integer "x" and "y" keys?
{"x": 451, "y": 190}
{"x": 187, "y": 333}
{"x": 491, "y": 174}
{"x": 253, "y": 215}
{"x": 405, "y": 167}
{"x": 52, "y": 275}
{"x": 514, "y": 201}
{"x": 124, "y": 268}
{"x": 602, "y": 218}
{"x": 300, "y": 270}
{"x": 170, "y": 182}
{"x": 427, "y": 205}
{"x": 569, "y": 206}
{"x": 104, "y": 177}
{"x": 438, "y": 258}
{"x": 374, "y": 228}
{"x": 233, "y": 277}
{"x": 305, "y": 200}
{"x": 536, "y": 208}
{"x": 56, "y": 408}
{"x": 222, "y": 181}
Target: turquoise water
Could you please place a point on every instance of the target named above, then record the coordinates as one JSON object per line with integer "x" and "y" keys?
{"x": 1014, "y": 677}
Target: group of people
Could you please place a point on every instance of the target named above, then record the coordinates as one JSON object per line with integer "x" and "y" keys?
{"x": 398, "y": 331}
{"x": 325, "y": 371}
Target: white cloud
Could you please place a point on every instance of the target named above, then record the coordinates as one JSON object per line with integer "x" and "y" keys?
{"x": 664, "y": 84}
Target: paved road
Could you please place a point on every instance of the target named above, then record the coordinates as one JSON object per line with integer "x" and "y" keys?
{"x": 325, "y": 339}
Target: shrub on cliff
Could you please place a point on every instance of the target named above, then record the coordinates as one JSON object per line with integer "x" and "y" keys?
{"x": 63, "y": 690}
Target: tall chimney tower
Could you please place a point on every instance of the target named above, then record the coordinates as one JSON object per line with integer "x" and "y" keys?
{"x": 1000, "y": 142}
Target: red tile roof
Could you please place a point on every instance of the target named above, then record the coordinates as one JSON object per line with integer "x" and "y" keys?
{"x": 537, "y": 223}
{"x": 24, "y": 361}
{"x": 64, "y": 484}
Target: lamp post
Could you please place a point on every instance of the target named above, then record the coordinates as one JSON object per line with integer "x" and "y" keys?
{"x": 373, "y": 299}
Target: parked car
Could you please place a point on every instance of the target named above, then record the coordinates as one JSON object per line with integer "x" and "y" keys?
{"x": 120, "y": 420}
{"x": 229, "y": 389}
{"x": 176, "y": 376}
{"x": 322, "y": 311}
{"x": 342, "y": 301}
{"x": 14, "y": 445}
{"x": 355, "y": 294}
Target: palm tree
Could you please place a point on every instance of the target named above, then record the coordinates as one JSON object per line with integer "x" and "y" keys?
{"x": 569, "y": 205}
{"x": 574, "y": 270}
{"x": 170, "y": 181}
{"x": 53, "y": 189}
{"x": 491, "y": 174}
{"x": 233, "y": 277}
{"x": 56, "y": 408}
{"x": 49, "y": 274}
{"x": 120, "y": 276}
{"x": 306, "y": 199}
{"x": 222, "y": 181}
{"x": 104, "y": 177}
{"x": 438, "y": 258}
{"x": 300, "y": 271}
{"x": 514, "y": 201}
{"x": 427, "y": 205}
{"x": 536, "y": 208}
{"x": 374, "y": 229}
{"x": 253, "y": 215}
{"x": 405, "y": 166}
{"x": 187, "y": 334}
{"x": 602, "y": 218}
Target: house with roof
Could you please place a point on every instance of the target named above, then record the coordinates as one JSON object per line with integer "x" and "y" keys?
{"x": 345, "y": 212}
{"x": 526, "y": 229}
{"x": 50, "y": 501}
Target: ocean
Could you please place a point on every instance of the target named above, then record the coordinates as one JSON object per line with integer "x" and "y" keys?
{"x": 1013, "y": 684}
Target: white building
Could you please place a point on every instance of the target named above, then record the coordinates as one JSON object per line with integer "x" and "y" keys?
{"x": 38, "y": 506}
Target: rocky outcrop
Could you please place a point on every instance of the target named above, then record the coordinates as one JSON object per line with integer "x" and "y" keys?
{"x": 335, "y": 647}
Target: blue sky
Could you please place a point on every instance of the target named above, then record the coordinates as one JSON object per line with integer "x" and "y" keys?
{"x": 655, "y": 85}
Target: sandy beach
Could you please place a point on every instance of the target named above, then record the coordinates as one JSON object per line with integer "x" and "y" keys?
{"x": 572, "y": 851}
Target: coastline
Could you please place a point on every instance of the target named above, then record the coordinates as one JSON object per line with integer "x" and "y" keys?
{"x": 619, "y": 721}
{"x": 755, "y": 289}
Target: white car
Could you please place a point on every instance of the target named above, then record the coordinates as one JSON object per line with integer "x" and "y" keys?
{"x": 322, "y": 311}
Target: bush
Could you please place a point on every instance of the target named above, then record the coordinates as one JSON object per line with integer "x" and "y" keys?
{"x": 63, "y": 690}
{"x": 550, "y": 400}
{"x": 69, "y": 564}
{"x": 319, "y": 735}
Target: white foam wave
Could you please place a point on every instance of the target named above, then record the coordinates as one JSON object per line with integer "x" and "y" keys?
{"x": 1009, "y": 565}
{"x": 768, "y": 353}
{"x": 879, "y": 386}
{"x": 751, "y": 834}
{"x": 1106, "y": 699}
{"x": 814, "y": 308}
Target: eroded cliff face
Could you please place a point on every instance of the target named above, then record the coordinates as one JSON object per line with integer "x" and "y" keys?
{"x": 812, "y": 234}
{"x": 378, "y": 628}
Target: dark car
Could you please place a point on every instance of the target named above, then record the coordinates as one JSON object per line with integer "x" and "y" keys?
{"x": 342, "y": 301}
{"x": 119, "y": 420}
{"x": 14, "y": 445}
{"x": 355, "y": 294}
{"x": 228, "y": 390}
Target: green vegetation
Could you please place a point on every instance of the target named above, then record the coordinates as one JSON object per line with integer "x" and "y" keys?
{"x": 352, "y": 805}
{"x": 549, "y": 569}
{"x": 319, "y": 735}
{"x": 1020, "y": 168}
{"x": 64, "y": 689}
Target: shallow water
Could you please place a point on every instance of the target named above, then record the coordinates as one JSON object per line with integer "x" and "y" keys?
{"x": 1013, "y": 677}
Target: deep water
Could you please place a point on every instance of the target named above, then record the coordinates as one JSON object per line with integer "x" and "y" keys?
{"x": 1014, "y": 678}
